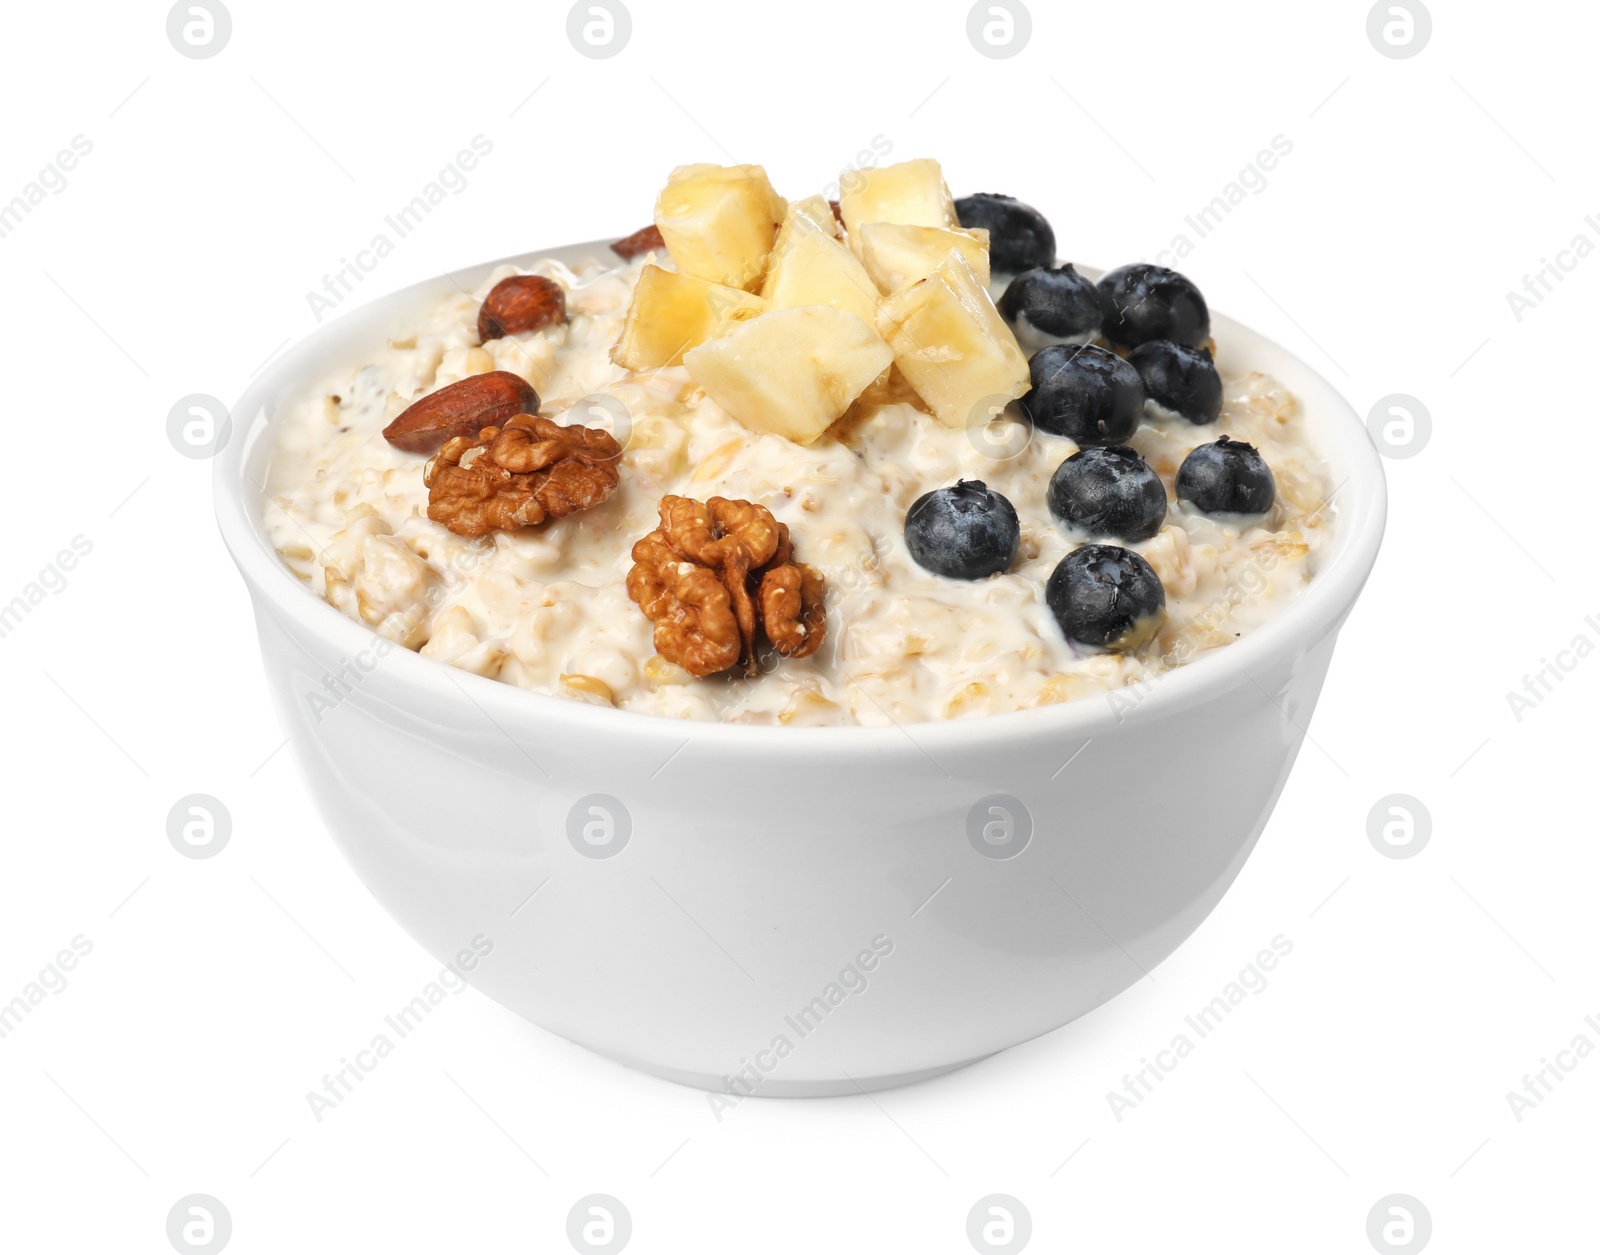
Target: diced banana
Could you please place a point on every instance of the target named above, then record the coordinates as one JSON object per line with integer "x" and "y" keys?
{"x": 817, "y": 213}
{"x": 896, "y": 255}
{"x": 719, "y": 222}
{"x": 791, "y": 372}
{"x": 952, "y": 345}
{"x": 909, "y": 192}
{"x": 672, "y": 313}
{"x": 809, "y": 266}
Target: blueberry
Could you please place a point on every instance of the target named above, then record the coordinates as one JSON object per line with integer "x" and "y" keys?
{"x": 1228, "y": 477}
{"x": 1046, "y": 306}
{"x": 1084, "y": 392}
{"x": 1019, "y": 235}
{"x": 964, "y": 531}
{"x": 1182, "y": 379}
{"x": 1107, "y": 596}
{"x": 1109, "y": 492}
{"x": 1144, "y": 302}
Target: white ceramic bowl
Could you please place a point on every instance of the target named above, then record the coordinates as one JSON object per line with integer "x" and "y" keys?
{"x": 800, "y": 905}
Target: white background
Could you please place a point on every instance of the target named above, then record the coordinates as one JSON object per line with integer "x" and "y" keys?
{"x": 177, "y": 260}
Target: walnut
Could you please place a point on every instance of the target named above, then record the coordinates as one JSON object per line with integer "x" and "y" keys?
{"x": 519, "y": 475}
{"x": 715, "y": 576}
{"x": 792, "y": 609}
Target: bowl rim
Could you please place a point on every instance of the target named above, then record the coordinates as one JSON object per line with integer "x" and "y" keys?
{"x": 1320, "y": 608}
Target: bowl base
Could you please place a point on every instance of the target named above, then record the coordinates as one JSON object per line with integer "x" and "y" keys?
{"x": 778, "y": 1087}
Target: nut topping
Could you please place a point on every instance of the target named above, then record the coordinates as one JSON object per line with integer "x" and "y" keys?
{"x": 463, "y": 408}
{"x": 714, "y": 576}
{"x": 643, "y": 240}
{"x": 519, "y": 475}
{"x": 792, "y": 609}
{"x": 521, "y": 303}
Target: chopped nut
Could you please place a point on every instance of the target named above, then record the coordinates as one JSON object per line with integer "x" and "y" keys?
{"x": 714, "y": 576}
{"x": 644, "y": 240}
{"x": 519, "y": 475}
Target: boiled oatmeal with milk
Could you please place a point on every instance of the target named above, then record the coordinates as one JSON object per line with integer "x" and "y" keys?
{"x": 808, "y": 462}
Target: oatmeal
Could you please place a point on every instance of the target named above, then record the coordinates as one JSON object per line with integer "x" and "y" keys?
{"x": 925, "y": 524}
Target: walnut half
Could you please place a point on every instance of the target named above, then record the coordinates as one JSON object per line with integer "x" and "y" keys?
{"x": 715, "y": 577}
{"x": 519, "y": 475}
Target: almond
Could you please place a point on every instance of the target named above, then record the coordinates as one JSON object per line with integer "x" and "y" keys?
{"x": 462, "y": 409}
{"x": 521, "y": 303}
{"x": 641, "y": 241}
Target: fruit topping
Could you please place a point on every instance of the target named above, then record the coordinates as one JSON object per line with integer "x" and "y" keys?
{"x": 719, "y": 222}
{"x": 810, "y": 266}
{"x": 1109, "y": 492}
{"x": 1084, "y": 392}
{"x": 1180, "y": 379}
{"x": 1106, "y": 596}
{"x": 1044, "y": 307}
{"x": 1227, "y": 477}
{"x": 672, "y": 313}
{"x": 909, "y": 192}
{"x": 896, "y": 255}
{"x": 965, "y": 531}
{"x": 791, "y": 372}
{"x": 952, "y": 345}
{"x": 1020, "y": 237}
{"x": 1143, "y": 302}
